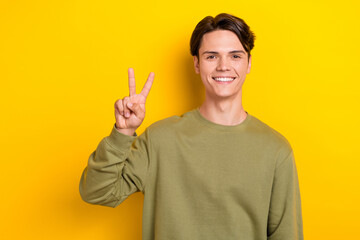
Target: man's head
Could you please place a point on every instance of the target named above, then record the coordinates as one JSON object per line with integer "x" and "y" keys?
{"x": 221, "y": 48}
{"x": 222, "y": 21}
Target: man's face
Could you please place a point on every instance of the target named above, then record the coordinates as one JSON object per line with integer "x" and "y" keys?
{"x": 222, "y": 64}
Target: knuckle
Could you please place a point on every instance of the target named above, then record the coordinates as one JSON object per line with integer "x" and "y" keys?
{"x": 118, "y": 104}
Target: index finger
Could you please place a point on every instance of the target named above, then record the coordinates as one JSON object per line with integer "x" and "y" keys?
{"x": 132, "y": 86}
{"x": 146, "y": 89}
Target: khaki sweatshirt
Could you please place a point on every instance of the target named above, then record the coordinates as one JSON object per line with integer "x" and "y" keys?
{"x": 201, "y": 180}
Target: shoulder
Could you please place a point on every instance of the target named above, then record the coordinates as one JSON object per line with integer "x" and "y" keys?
{"x": 170, "y": 124}
{"x": 269, "y": 137}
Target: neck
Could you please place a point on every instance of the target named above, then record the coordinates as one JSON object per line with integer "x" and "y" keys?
{"x": 223, "y": 111}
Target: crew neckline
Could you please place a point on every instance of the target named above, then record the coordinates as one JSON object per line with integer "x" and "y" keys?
{"x": 221, "y": 127}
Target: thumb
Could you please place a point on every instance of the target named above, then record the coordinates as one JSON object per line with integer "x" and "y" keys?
{"x": 135, "y": 107}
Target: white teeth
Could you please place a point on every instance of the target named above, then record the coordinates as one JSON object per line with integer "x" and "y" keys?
{"x": 223, "y": 79}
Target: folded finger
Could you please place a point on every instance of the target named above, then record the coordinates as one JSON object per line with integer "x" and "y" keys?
{"x": 119, "y": 106}
{"x": 125, "y": 108}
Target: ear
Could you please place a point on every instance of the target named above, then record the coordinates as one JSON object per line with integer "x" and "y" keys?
{"x": 249, "y": 65}
{"x": 196, "y": 65}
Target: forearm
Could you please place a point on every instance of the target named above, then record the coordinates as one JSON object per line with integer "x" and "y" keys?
{"x": 285, "y": 216}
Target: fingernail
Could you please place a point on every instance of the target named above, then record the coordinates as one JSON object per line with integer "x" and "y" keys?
{"x": 127, "y": 115}
{"x": 129, "y": 104}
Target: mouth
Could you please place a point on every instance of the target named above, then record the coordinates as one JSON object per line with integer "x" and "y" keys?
{"x": 223, "y": 79}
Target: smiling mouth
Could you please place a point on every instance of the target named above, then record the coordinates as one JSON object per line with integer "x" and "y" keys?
{"x": 224, "y": 79}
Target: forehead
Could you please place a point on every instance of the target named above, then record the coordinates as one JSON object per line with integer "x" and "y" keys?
{"x": 220, "y": 40}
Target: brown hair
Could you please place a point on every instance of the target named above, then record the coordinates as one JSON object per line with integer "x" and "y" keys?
{"x": 222, "y": 21}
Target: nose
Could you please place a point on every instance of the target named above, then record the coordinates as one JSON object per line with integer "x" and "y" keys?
{"x": 223, "y": 65}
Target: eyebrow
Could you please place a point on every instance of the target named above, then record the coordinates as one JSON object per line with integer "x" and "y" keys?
{"x": 213, "y": 52}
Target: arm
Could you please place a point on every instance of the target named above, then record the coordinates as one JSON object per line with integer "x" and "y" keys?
{"x": 118, "y": 168}
{"x": 120, "y": 163}
{"x": 285, "y": 217}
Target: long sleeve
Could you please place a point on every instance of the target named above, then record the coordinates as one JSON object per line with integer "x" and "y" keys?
{"x": 285, "y": 217}
{"x": 116, "y": 169}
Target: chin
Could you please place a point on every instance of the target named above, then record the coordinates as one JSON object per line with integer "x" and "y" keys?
{"x": 223, "y": 95}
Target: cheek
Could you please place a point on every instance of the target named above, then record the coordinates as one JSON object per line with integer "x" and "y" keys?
{"x": 207, "y": 67}
{"x": 241, "y": 68}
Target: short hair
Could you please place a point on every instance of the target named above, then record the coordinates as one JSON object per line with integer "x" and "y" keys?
{"x": 222, "y": 21}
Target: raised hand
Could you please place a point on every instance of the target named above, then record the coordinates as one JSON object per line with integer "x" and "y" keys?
{"x": 130, "y": 111}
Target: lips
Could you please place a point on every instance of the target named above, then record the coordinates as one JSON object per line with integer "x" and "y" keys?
{"x": 223, "y": 79}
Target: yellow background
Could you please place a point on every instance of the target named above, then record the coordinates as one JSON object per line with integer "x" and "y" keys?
{"x": 63, "y": 63}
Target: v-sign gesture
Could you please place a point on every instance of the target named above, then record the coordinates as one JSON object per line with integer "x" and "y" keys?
{"x": 130, "y": 111}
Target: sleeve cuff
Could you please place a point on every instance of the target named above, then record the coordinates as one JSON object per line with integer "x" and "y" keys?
{"x": 119, "y": 140}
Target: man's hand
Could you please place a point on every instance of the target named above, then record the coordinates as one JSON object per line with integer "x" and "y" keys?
{"x": 130, "y": 111}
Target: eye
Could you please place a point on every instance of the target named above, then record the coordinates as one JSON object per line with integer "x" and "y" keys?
{"x": 236, "y": 56}
{"x": 210, "y": 57}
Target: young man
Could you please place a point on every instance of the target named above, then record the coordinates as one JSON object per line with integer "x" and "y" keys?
{"x": 213, "y": 173}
